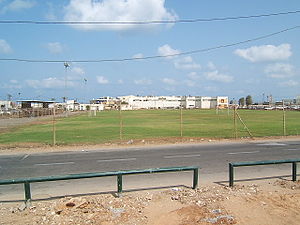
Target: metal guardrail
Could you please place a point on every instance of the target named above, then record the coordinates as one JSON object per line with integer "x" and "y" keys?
{"x": 266, "y": 162}
{"x": 119, "y": 174}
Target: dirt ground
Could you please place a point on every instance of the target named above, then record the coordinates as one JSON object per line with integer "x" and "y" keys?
{"x": 31, "y": 148}
{"x": 272, "y": 202}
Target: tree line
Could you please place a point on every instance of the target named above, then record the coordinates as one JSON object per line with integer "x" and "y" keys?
{"x": 246, "y": 101}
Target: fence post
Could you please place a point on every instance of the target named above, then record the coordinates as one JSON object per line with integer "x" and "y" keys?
{"x": 120, "y": 183}
{"x": 234, "y": 122}
{"x": 231, "y": 175}
{"x": 121, "y": 121}
{"x": 27, "y": 191}
{"x": 54, "y": 127}
{"x": 195, "y": 180}
{"x": 181, "y": 122}
{"x": 294, "y": 171}
{"x": 283, "y": 119}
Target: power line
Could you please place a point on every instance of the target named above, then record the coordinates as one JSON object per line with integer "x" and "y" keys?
{"x": 155, "y": 56}
{"x": 144, "y": 22}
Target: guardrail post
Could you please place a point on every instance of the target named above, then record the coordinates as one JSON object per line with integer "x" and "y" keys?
{"x": 195, "y": 179}
{"x": 27, "y": 191}
{"x": 294, "y": 171}
{"x": 231, "y": 175}
{"x": 120, "y": 183}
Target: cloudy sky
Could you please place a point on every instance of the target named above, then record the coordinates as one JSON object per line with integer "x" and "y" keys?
{"x": 264, "y": 67}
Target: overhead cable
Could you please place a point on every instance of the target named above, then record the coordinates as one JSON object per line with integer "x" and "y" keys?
{"x": 144, "y": 22}
{"x": 155, "y": 56}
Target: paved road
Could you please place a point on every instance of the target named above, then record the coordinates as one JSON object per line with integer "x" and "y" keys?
{"x": 212, "y": 158}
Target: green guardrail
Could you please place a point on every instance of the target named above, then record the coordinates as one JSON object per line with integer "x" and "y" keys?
{"x": 119, "y": 174}
{"x": 266, "y": 162}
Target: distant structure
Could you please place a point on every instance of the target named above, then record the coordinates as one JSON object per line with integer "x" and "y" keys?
{"x": 173, "y": 102}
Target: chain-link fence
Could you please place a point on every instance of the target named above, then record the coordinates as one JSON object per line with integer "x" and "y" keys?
{"x": 125, "y": 126}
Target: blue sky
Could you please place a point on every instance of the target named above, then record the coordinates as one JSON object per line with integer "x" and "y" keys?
{"x": 269, "y": 66}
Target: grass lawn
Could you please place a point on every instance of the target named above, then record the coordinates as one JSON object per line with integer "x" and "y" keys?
{"x": 145, "y": 124}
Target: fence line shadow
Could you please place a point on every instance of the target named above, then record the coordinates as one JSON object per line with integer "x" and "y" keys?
{"x": 281, "y": 177}
{"x": 114, "y": 193}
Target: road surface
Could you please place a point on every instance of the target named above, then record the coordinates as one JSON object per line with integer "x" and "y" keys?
{"x": 211, "y": 158}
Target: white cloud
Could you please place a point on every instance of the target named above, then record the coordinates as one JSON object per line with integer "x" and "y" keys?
{"x": 252, "y": 81}
{"x": 194, "y": 76}
{"x": 18, "y": 5}
{"x": 50, "y": 82}
{"x": 169, "y": 81}
{"x": 102, "y": 80}
{"x": 138, "y": 56}
{"x": 290, "y": 83}
{"x": 5, "y": 47}
{"x": 166, "y": 50}
{"x": 143, "y": 82}
{"x": 50, "y": 15}
{"x": 190, "y": 83}
{"x": 211, "y": 88}
{"x": 279, "y": 70}
{"x": 55, "y": 47}
{"x": 217, "y": 76}
{"x": 211, "y": 66}
{"x": 13, "y": 81}
{"x": 78, "y": 71}
{"x": 117, "y": 10}
{"x": 186, "y": 63}
{"x": 13, "y": 84}
{"x": 120, "y": 81}
{"x": 265, "y": 53}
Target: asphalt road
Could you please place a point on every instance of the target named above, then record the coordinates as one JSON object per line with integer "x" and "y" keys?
{"x": 212, "y": 158}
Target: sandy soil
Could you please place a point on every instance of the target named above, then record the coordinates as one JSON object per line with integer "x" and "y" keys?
{"x": 276, "y": 202}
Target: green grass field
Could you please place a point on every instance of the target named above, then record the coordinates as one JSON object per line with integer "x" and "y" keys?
{"x": 145, "y": 124}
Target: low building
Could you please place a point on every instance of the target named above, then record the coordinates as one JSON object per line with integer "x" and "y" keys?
{"x": 34, "y": 104}
{"x": 6, "y": 105}
{"x": 72, "y": 105}
{"x": 150, "y": 102}
{"x": 173, "y": 102}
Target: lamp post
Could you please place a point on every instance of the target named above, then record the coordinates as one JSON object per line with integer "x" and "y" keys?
{"x": 66, "y": 65}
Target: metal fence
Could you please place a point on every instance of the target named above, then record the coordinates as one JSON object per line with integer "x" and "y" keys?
{"x": 118, "y": 174}
{"x": 259, "y": 163}
{"x": 141, "y": 125}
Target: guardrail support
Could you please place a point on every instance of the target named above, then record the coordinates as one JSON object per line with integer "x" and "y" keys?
{"x": 195, "y": 178}
{"x": 120, "y": 183}
{"x": 258, "y": 163}
{"x": 294, "y": 171}
{"x": 27, "y": 191}
{"x": 231, "y": 175}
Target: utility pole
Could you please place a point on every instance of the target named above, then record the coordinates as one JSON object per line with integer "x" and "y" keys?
{"x": 66, "y": 65}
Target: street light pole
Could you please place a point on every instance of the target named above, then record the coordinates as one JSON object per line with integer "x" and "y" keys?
{"x": 66, "y": 65}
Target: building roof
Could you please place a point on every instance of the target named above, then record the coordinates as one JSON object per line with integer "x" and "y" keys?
{"x": 36, "y": 101}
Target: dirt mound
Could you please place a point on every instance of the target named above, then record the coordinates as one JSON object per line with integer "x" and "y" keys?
{"x": 268, "y": 203}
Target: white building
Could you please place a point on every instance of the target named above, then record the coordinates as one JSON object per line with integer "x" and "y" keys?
{"x": 214, "y": 102}
{"x": 191, "y": 102}
{"x": 6, "y": 105}
{"x": 222, "y": 102}
{"x": 151, "y": 102}
{"x": 72, "y": 105}
{"x": 96, "y": 107}
{"x": 173, "y": 102}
